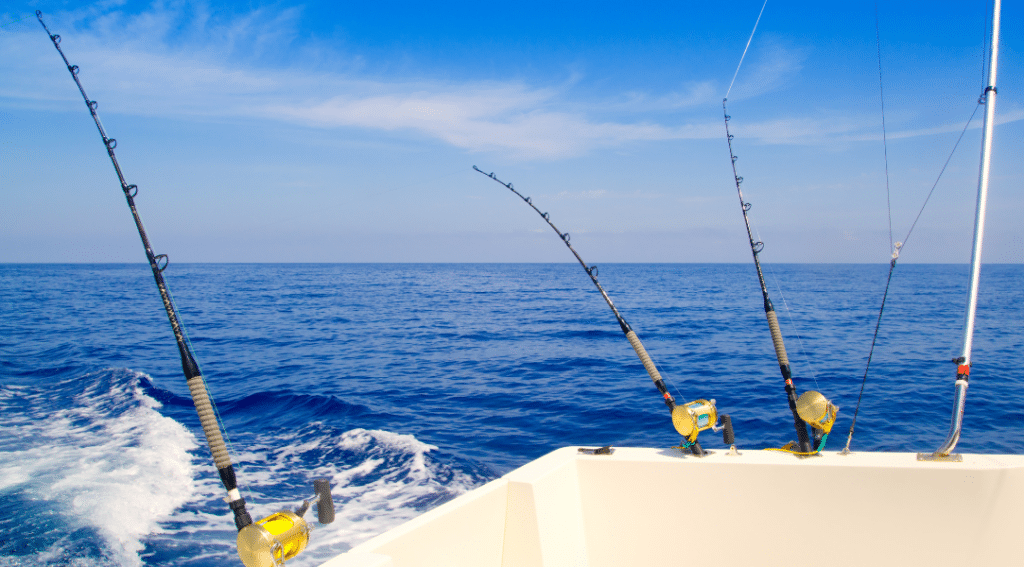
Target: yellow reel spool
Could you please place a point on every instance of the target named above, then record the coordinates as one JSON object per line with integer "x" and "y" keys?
{"x": 273, "y": 540}
{"x": 816, "y": 410}
{"x": 692, "y": 418}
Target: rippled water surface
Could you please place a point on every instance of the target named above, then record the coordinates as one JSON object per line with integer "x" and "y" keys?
{"x": 410, "y": 384}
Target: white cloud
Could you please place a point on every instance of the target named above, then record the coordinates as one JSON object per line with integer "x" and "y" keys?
{"x": 582, "y": 195}
{"x": 773, "y": 66}
{"x": 178, "y": 63}
{"x": 481, "y": 117}
{"x": 1002, "y": 117}
{"x": 692, "y": 95}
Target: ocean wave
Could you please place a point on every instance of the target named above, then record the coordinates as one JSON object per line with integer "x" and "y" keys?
{"x": 284, "y": 408}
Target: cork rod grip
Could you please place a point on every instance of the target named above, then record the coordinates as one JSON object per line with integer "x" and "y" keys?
{"x": 644, "y": 357}
{"x": 780, "y": 348}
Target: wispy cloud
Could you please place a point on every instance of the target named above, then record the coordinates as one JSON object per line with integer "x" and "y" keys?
{"x": 1005, "y": 116}
{"x": 179, "y": 61}
{"x": 694, "y": 94}
{"x": 158, "y": 79}
{"x": 582, "y": 195}
{"x": 482, "y": 117}
{"x": 772, "y": 67}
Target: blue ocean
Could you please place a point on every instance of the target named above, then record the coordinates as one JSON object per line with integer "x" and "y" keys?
{"x": 409, "y": 384}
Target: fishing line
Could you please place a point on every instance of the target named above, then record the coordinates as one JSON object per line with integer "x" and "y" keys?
{"x": 14, "y": 22}
{"x": 729, "y": 90}
{"x": 985, "y": 46}
{"x": 803, "y": 440}
{"x": 981, "y": 103}
{"x": 634, "y": 341}
{"x": 216, "y": 412}
{"x": 789, "y": 314}
{"x": 885, "y": 144}
{"x": 898, "y": 246}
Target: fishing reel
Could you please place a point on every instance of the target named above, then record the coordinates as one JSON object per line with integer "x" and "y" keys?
{"x": 283, "y": 535}
{"x": 819, "y": 413}
{"x": 700, "y": 415}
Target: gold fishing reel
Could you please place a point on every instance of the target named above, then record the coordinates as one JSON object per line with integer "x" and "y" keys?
{"x": 283, "y": 535}
{"x": 273, "y": 540}
{"x": 692, "y": 418}
{"x": 816, "y": 410}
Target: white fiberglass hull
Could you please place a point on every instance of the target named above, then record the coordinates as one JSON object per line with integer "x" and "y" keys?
{"x": 655, "y": 507}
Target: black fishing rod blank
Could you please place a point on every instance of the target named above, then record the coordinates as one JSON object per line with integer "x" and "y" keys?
{"x": 689, "y": 419}
{"x": 814, "y": 408}
{"x": 273, "y": 539}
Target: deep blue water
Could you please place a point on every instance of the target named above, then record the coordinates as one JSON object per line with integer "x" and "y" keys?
{"x": 409, "y": 384}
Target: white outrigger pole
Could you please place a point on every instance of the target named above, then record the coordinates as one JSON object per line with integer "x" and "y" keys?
{"x": 988, "y": 98}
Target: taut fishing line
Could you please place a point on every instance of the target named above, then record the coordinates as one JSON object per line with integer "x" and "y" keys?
{"x": 729, "y": 90}
{"x": 14, "y": 22}
{"x": 885, "y": 140}
{"x": 897, "y": 247}
{"x": 811, "y": 408}
{"x": 799, "y": 423}
{"x": 789, "y": 314}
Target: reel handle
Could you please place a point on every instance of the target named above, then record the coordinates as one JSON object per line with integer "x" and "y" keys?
{"x": 323, "y": 499}
{"x": 728, "y": 435}
{"x": 325, "y": 503}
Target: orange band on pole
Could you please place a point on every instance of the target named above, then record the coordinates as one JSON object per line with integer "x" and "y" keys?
{"x": 963, "y": 369}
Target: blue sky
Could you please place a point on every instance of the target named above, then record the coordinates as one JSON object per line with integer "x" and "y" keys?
{"x": 329, "y": 132}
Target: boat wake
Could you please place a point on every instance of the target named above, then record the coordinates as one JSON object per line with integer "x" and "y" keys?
{"x": 92, "y": 472}
{"x": 88, "y": 467}
{"x": 379, "y": 479}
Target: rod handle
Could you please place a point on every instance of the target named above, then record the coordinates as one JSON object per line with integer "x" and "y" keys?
{"x": 645, "y": 358}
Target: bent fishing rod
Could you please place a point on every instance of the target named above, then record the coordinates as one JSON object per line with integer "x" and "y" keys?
{"x": 811, "y": 407}
{"x": 193, "y": 376}
{"x": 689, "y": 419}
{"x": 256, "y": 541}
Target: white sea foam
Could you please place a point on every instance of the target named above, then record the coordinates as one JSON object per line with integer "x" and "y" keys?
{"x": 96, "y": 452}
{"x": 122, "y": 478}
{"x": 379, "y": 478}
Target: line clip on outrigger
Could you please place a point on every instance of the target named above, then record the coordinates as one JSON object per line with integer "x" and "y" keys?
{"x": 689, "y": 419}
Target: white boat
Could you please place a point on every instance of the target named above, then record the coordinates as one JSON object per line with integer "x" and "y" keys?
{"x": 661, "y": 507}
{"x": 642, "y": 506}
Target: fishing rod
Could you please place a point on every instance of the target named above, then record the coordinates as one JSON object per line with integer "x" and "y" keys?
{"x": 811, "y": 407}
{"x": 689, "y": 419}
{"x": 281, "y": 535}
